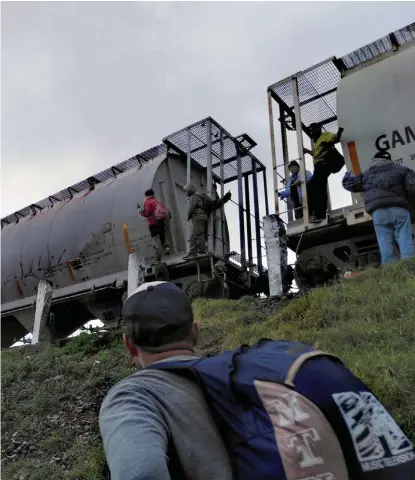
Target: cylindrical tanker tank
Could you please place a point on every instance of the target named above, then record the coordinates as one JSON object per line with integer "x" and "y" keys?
{"x": 85, "y": 241}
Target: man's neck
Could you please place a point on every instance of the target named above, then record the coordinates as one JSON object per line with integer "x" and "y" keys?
{"x": 157, "y": 357}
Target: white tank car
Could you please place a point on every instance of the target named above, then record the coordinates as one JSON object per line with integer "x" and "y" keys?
{"x": 376, "y": 108}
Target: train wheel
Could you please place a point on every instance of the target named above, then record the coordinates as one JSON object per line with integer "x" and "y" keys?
{"x": 192, "y": 289}
{"x": 314, "y": 278}
{"x": 217, "y": 288}
{"x": 213, "y": 288}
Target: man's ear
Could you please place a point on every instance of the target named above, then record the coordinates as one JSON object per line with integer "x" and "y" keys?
{"x": 132, "y": 349}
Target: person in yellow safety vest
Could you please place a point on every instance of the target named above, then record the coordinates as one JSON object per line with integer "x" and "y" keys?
{"x": 327, "y": 160}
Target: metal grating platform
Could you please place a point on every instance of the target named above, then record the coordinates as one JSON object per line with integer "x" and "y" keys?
{"x": 317, "y": 85}
{"x": 236, "y": 258}
{"x": 134, "y": 162}
{"x": 198, "y": 135}
{"x": 317, "y": 91}
{"x": 379, "y": 47}
{"x": 246, "y": 141}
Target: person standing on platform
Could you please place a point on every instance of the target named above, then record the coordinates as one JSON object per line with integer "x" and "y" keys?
{"x": 200, "y": 208}
{"x": 293, "y": 190}
{"x": 327, "y": 160}
{"x": 156, "y": 214}
{"x": 386, "y": 188}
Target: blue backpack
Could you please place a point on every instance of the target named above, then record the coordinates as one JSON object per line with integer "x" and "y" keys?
{"x": 289, "y": 412}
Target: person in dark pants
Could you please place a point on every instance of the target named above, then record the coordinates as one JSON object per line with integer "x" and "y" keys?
{"x": 293, "y": 190}
{"x": 322, "y": 153}
{"x": 157, "y": 226}
{"x": 200, "y": 207}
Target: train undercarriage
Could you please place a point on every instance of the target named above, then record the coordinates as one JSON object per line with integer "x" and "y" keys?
{"x": 209, "y": 276}
{"x": 347, "y": 250}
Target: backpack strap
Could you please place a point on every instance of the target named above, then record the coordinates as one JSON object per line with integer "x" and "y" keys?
{"x": 295, "y": 367}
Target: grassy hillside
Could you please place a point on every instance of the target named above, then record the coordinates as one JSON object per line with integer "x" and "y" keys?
{"x": 51, "y": 396}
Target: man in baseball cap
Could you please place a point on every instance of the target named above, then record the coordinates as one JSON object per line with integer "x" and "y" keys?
{"x": 155, "y": 423}
{"x": 387, "y": 189}
{"x": 159, "y": 321}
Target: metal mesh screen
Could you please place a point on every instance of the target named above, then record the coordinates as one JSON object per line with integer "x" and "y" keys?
{"x": 406, "y": 34}
{"x": 236, "y": 258}
{"x": 133, "y": 162}
{"x": 246, "y": 141}
{"x": 198, "y": 149}
{"x": 317, "y": 93}
{"x": 383, "y": 45}
{"x": 317, "y": 86}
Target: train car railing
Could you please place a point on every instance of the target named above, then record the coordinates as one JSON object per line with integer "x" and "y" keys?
{"x": 226, "y": 159}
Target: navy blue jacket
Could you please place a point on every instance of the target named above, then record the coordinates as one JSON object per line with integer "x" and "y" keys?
{"x": 386, "y": 184}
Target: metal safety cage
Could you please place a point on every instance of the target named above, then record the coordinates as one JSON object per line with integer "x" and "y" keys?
{"x": 88, "y": 184}
{"x": 207, "y": 145}
{"x": 309, "y": 97}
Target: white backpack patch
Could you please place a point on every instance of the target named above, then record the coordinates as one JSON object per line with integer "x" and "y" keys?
{"x": 377, "y": 438}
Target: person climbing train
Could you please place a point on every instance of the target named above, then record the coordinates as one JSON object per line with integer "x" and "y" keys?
{"x": 327, "y": 160}
{"x": 200, "y": 208}
{"x": 157, "y": 214}
{"x": 293, "y": 190}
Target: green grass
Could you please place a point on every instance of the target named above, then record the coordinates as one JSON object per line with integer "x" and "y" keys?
{"x": 369, "y": 322}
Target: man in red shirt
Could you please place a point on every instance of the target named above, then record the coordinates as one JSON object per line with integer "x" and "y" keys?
{"x": 156, "y": 226}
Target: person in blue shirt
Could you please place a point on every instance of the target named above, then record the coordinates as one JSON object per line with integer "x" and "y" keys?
{"x": 293, "y": 190}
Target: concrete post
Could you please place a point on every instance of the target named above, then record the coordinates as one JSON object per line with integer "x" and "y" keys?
{"x": 42, "y": 330}
{"x": 136, "y": 272}
{"x": 276, "y": 247}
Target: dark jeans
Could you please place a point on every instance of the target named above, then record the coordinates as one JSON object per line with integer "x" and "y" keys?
{"x": 158, "y": 236}
{"x": 298, "y": 213}
{"x": 317, "y": 190}
{"x": 295, "y": 200}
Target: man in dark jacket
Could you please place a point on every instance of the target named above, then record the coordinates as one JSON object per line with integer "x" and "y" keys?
{"x": 386, "y": 187}
{"x": 156, "y": 226}
{"x": 200, "y": 207}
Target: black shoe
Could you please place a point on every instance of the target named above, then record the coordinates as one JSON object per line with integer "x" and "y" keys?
{"x": 314, "y": 219}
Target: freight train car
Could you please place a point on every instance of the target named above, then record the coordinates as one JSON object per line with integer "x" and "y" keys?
{"x": 80, "y": 239}
{"x": 371, "y": 94}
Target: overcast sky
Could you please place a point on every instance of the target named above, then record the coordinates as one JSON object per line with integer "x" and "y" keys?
{"x": 87, "y": 85}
